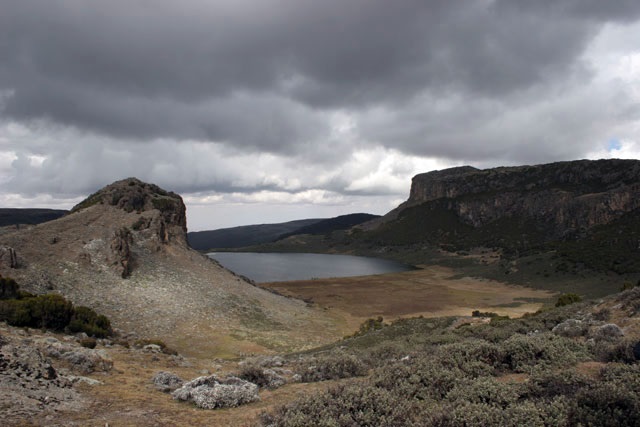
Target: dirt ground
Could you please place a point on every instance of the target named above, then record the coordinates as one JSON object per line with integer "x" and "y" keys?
{"x": 431, "y": 291}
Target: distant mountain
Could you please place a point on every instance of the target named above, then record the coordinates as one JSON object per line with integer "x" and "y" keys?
{"x": 583, "y": 213}
{"x": 248, "y": 235}
{"x": 586, "y": 210}
{"x": 342, "y": 222}
{"x": 12, "y": 216}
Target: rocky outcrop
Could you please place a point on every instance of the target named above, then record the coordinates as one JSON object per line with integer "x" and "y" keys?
{"x": 565, "y": 197}
{"x": 212, "y": 392}
{"x": 29, "y": 383}
{"x": 133, "y": 195}
{"x": 120, "y": 254}
{"x": 166, "y": 381}
{"x": 8, "y": 258}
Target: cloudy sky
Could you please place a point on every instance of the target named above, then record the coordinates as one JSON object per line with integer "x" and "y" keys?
{"x": 263, "y": 111}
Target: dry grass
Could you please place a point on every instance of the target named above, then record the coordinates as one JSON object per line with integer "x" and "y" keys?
{"x": 431, "y": 292}
{"x": 128, "y": 397}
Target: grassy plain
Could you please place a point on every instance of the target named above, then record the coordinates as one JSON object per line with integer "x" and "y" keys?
{"x": 431, "y": 291}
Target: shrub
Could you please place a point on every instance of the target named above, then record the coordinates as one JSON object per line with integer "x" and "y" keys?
{"x": 344, "y": 405}
{"x": 627, "y": 285}
{"x": 369, "y": 325}
{"x": 43, "y": 311}
{"x": 331, "y": 367}
{"x": 474, "y": 357}
{"x": 478, "y": 313}
{"x": 88, "y": 342}
{"x": 91, "y": 323}
{"x": 550, "y": 383}
{"x": 163, "y": 204}
{"x": 8, "y": 288}
{"x": 524, "y": 352}
{"x": 485, "y": 390}
{"x": 606, "y": 404}
{"x": 566, "y": 299}
{"x": 263, "y": 378}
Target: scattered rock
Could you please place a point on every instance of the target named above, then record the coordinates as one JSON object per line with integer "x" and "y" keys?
{"x": 152, "y": 348}
{"x": 87, "y": 361}
{"x": 84, "y": 380}
{"x": 167, "y": 381}
{"x": 211, "y": 392}
{"x": 80, "y": 359}
{"x": 29, "y": 383}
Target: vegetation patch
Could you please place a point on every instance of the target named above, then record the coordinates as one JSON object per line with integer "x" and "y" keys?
{"x": 49, "y": 311}
{"x": 425, "y": 373}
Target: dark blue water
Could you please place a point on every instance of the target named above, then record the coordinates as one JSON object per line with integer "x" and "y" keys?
{"x": 277, "y": 267}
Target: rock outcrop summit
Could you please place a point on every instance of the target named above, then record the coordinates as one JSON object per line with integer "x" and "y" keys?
{"x": 123, "y": 252}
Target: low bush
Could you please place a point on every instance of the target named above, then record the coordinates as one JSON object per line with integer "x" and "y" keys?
{"x": 88, "y": 342}
{"x": 522, "y": 352}
{"x": 566, "y": 299}
{"x": 260, "y": 376}
{"x": 368, "y": 326}
{"x": 50, "y": 311}
{"x": 344, "y": 405}
{"x": 43, "y": 311}
{"x": 331, "y": 367}
{"x": 8, "y": 288}
{"x": 91, "y": 323}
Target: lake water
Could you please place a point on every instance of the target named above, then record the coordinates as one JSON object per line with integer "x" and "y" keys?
{"x": 279, "y": 267}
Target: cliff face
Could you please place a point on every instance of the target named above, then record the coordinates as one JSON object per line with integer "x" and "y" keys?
{"x": 565, "y": 197}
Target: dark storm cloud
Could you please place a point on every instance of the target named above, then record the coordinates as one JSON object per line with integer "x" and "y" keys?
{"x": 151, "y": 69}
{"x": 313, "y": 83}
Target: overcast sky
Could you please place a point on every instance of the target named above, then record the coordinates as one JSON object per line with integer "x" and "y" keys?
{"x": 261, "y": 111}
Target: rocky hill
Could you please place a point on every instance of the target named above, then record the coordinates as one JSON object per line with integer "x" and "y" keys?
{"x": 123, "y": 251}
{"x": 524, "y": 209}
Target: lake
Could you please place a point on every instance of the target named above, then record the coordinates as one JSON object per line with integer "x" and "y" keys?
{"x": 280, "y": 267}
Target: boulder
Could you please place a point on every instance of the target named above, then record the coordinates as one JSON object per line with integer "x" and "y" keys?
{"x": 80, "y": 359}
{"x": 167, "y": 381}
{"x": 211, "y": 392}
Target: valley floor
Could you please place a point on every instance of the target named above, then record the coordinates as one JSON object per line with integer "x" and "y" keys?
{"x": 431, "y": 291}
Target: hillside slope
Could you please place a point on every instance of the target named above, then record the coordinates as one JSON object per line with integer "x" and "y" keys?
{"x": 123, "y": 252}
{"x": 13, "y": 216}
{"x": 247, "y": 235}
{"x": 330, "y": 225}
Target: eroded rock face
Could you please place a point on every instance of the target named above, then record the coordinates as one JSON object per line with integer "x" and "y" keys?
{"x": 120, "y": 255}
{"x": 565, "y": 196}
{"x": 212, "y": 392}
{"x": 8, "y": 258}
